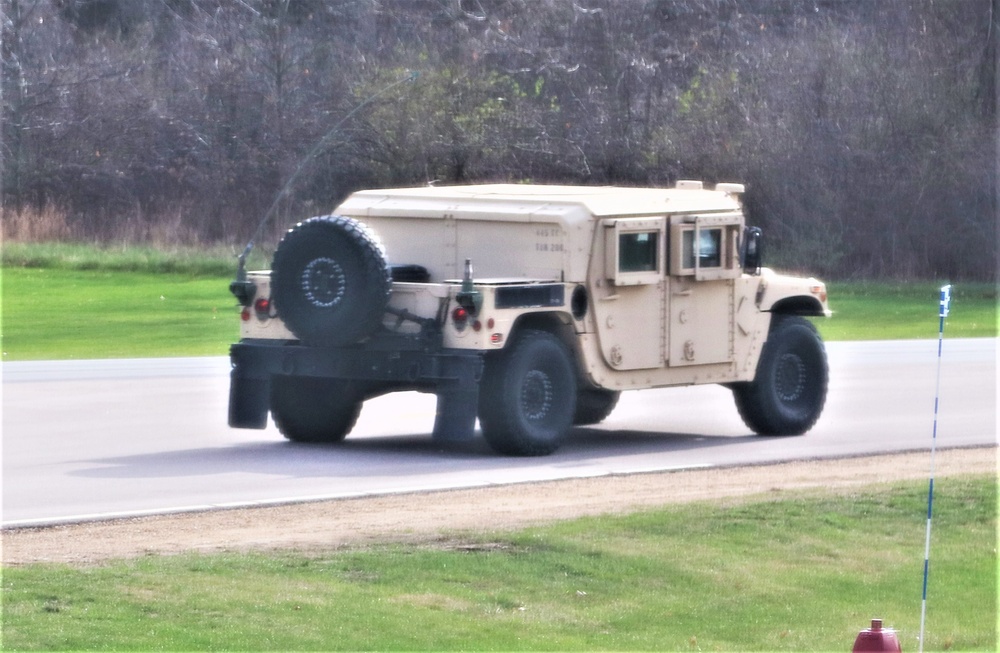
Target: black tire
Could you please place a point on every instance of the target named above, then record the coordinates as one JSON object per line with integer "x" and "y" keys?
{"x": 330, "y": 281}
{"x": 527, "y": 397}
{"x": 593, "y": 405}
{"x": 315, "y": 410}
{"x": 788, "y": 393}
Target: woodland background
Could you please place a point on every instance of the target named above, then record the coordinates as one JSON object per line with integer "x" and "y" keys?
{"x": 865, "y": 130}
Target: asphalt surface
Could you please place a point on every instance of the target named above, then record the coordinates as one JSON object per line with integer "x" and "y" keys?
{"x": 97, "y": 439}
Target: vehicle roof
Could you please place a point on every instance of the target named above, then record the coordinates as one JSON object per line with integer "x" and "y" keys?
{"x": 530, "y": 202}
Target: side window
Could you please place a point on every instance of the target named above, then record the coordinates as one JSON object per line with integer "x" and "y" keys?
{"x": 638, "y": 251}
{"x": 708, "y": 251}
{"x": 634, "y": 250}
{"x": 705, "y": 246}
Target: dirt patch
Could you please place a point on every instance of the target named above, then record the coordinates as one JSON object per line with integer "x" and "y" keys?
{"x": 429, "y": 515}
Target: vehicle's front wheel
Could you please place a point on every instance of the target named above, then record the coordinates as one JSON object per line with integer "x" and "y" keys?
{"x": 527, "y": 397}
{"x": 310, "y": 409}
{"x": 788, "y": 393}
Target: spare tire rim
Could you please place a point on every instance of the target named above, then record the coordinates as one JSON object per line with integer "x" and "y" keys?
{"x": 790, "y": 378}
{"x": 323, "y": 282}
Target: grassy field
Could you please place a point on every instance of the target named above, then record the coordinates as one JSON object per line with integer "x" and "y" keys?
{"x": 797, "y": 574}
{"x": 207, "y": 262}
{"x": 801, "y": 574}
{"x": 73, "y": 301}
{"x": 53, "y": 313}
{"x": 882, "y": 311}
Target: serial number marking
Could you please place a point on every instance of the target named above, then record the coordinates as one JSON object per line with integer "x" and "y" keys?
{"x": 549, "y": 247}
{"x": 554, "y": 236}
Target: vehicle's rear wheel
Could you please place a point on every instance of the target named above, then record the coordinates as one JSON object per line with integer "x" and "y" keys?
{"x": 593, "y": 405}
{"x": 330, "y": 281}
{"x": 788, "y": 393}
{"x": 527, "y": 397}
{"x": 311, "y": 409}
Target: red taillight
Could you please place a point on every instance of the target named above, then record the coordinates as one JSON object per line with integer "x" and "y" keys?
{"x": 460, "y": 316}
{"x": 820, "y": 291}
{"x": 262, "y": 306}
{"x": 245, "y": 315}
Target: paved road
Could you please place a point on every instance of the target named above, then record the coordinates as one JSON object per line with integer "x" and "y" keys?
{"x": 89, "y": 439}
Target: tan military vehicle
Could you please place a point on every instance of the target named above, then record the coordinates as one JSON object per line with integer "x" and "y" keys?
{"x": 530, "y": 307}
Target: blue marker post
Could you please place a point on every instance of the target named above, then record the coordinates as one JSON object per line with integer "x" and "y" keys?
{"x": 945, "y": 306}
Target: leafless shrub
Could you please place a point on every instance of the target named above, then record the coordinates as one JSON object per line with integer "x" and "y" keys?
{"x": 28, "y": 224}
{"x": 865, "y": 131}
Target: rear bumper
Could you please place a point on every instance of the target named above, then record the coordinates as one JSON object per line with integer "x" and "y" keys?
{"x": 261, "y": 359}
{"x": 452, "y": 374}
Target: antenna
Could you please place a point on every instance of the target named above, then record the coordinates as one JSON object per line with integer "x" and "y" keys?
{"x": 241, "y": 271}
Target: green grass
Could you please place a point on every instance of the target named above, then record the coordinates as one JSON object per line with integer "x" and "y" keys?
{"x": 64, "y": 314}
{"x": 206, "y": 262}
{"x": 79, "y": 301}
{"x": 881, "y": 311}
{"x": 801, "y": 574}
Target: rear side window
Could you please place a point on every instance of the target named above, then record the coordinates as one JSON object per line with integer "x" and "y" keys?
{"x": 634, "y": 250}
{"x": 638, "y": 252}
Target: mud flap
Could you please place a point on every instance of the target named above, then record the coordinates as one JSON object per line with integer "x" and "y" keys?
{"x": 456, "y": 411}
{"x": 249, "y": 399}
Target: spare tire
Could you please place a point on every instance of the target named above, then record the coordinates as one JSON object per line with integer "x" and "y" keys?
{"x": 330, "y": 281}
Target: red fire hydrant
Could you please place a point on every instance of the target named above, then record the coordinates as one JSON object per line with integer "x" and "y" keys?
{"x": 876, "y": 639}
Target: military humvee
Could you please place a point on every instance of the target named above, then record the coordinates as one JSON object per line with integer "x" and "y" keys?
{"x": 529, "y": 307}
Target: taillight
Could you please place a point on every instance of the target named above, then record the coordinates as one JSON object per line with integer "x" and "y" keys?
{"x": 463, "y": 317}
{"x": 262, "y": 306}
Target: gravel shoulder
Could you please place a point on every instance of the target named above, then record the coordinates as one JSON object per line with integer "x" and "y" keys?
{"x": 427, "y": 516}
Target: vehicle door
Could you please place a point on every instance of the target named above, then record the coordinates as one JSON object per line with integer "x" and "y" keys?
{"x": 704, "y": 264}
{"x": 630, "y": 312}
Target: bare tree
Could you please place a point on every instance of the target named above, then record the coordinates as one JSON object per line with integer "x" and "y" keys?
{"x": 865, "y": 130}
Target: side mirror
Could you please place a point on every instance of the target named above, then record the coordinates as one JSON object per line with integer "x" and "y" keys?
{"x": 750, "y": 250}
